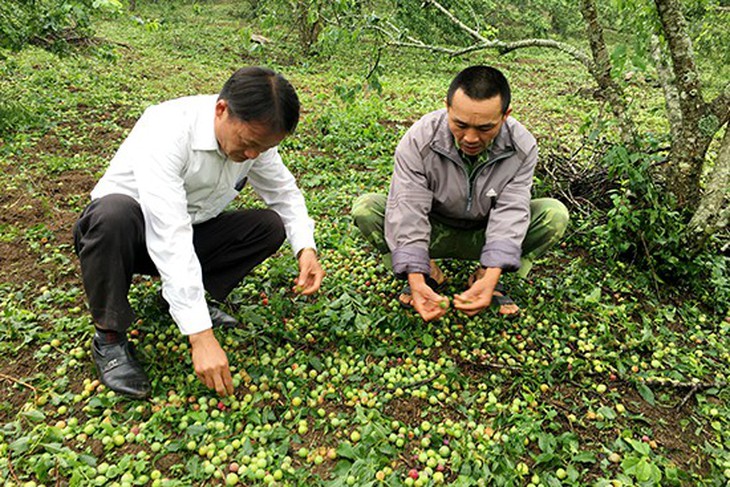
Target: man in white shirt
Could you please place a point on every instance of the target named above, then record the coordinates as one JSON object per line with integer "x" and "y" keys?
{"x": 158, "y": 210}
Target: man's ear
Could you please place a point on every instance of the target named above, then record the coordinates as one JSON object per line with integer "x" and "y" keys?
{"x": 220, "y": 107}
{"x": 507, "y": 113}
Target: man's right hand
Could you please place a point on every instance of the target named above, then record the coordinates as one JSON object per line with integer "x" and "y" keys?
{"x": 429, "y": 304}
{"x": 210, "y": 362}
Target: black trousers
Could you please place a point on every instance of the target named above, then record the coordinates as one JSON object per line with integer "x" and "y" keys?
{"x": 109, "y": 239}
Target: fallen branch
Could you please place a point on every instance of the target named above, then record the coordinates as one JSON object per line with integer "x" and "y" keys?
{"x": 684, "y": 385}
{"x": 693, "y": 387}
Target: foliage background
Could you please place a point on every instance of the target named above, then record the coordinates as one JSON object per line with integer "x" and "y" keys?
{"x": 604, "y": 320}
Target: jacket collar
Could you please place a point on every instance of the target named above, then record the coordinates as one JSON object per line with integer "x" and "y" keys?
{"x": 443, "y": 140}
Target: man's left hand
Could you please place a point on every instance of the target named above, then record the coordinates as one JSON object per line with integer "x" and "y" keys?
{"x": 310, "y": 273}
{"x": 479, "y": 295}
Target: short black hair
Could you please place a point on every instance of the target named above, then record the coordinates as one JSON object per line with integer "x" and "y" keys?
{"x": 257, "y": 94}
{"x": 481, "y": 83}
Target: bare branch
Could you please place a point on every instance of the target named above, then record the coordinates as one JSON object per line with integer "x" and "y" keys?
{"x": 577, "y": 54}
{"x": 425, "y": 47}
{"x": 501, "y": 46}
{"x": 476, "y": 35}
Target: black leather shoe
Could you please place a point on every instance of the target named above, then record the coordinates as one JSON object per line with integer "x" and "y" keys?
{"x": 221, "y": 319}
{"x": 119, "y": 370}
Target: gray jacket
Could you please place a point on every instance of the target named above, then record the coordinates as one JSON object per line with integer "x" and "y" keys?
{"x": 430, "y": 181}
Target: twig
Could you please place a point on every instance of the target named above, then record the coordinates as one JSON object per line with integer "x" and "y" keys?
{"x": 12, "y": 471}
{"x": 687, "y": 397}
{"x": 655, "y": 278}
{"x": 18, "y": 381}
{"x": 491, "y": 365}
{"x": 476, "y": 35}
{"x": 419, "y": 383}
{"x": 375, "y": 64}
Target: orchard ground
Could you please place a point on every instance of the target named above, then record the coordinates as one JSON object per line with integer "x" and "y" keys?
{"x": 603, "y": 379}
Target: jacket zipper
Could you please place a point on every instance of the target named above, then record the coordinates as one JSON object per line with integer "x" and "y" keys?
{"x": 471, "y": 179}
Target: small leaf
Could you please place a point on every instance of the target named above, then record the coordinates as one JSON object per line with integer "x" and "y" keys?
{"x": 585, "y": 457}
{"x": 427, "y": 340}
{"x": 629, "y": 464}
{"x": 196, "y": 430}
{"x": 345, "y": 450}
{"x": 316, "y": 364}
{"x": 643, "y": 470}
{"x": 34, "y": 415}
{"x": 646, "y": 393}
{"x": 594, "y": 296}
{"x": 546, "y": 442}
{"x": 607, "y": 412}
{"x": 639, "y": 446}
{"x": 88, "y": 460}
{"x": 21, "y": 445}
{"x": 544, "y": 458}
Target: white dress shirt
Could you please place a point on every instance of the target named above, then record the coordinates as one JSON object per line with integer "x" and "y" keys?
{"x": 170, "y": 163}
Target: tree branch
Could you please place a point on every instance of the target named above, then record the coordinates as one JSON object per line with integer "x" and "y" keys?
{"x": 425, "y": 47}
{"x": 476, "y": 35}
{"x": 687, "y": 78}
{"x": 602, "y": 72}
{"x": 713, "y": 212}
{"x": 501, "y": 46}
{"x": 577, "y": 54}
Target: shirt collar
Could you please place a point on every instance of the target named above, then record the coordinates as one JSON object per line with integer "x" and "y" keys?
{"x": 203, "y": 136}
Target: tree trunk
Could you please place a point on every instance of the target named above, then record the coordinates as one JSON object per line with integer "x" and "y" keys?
{"x": 666, "y": 81}
{"x": 713, "y": 213}
{"x": 687, "y": 155}
{"x": 602, "y": 73}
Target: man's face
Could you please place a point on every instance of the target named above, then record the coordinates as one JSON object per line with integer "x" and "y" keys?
{"x": 241, "y": 140}
{"x": 475, "y": 123}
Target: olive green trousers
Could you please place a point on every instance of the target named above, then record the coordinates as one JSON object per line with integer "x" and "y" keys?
{"x": 548, "y": 222}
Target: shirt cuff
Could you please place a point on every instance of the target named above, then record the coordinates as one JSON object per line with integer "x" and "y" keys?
{"x": 302, "y": 243}
{"x": 502, "y": 254}
{"x": 302, "y": 236}
{"x": 193, "y": 319}
{"x": 410, "y": 260}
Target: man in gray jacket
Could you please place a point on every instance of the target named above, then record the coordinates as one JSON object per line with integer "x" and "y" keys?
{"x": 461, "y": 189}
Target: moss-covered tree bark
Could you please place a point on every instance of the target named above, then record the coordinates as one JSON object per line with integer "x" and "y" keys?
{"x": 698, "y": 124}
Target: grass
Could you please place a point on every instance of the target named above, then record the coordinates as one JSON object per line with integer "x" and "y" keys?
{"x": 346, "y": 387}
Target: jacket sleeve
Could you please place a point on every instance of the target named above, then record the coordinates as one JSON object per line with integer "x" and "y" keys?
{"x": 276, "y": 185}
{"x": 407, "y": 227}
{"x": 509, "y": 219}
